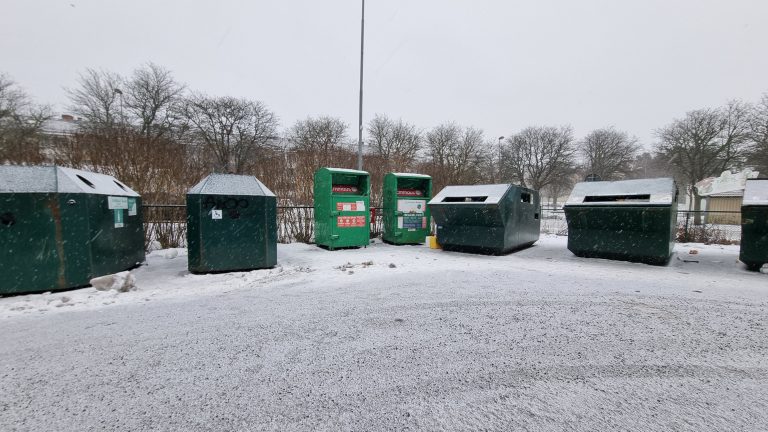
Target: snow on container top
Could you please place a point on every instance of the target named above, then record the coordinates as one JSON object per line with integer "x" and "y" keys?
{"x": 411, "y": 175}
{"x": 477, "y": 194}
{"x": 346, "y": 171}
{"x": 55, "y": 179}
{"x": 756, "y": 192}
{"x": 231, "y": 184}
{"x": 658, "y": 191}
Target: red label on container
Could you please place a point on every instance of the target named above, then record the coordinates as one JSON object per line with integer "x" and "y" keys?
{"x": 410, "y": 192}
{"x": 344, "y": 189}
{"x": 350, "y": 221}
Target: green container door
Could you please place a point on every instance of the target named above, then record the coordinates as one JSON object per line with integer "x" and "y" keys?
{"x": 406, "y": 215}
{"x": 341, "y": 208}
{"x": 631, "y": 220}
{"x": 754, "y": 224}
{"x": 231, "y": 224}
{"x": 491, "y": 219}
{"x": 58, "y": 231}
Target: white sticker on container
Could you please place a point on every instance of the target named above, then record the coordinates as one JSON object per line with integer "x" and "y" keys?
{"x": 119, "y": 221}
{"x": 400, "y": 222}
{"x": 360, "y": 206}
{"x": 131, "y": 206}
{"x": 115, "y": 203}
{"x": 411, "y": 206}
{"x": 215, "y": 214}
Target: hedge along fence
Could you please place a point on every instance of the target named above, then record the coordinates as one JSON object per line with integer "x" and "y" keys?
{"x": 165, "y": 225}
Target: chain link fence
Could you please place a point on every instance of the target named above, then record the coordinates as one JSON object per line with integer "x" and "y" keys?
{"x": 165, "y": 225}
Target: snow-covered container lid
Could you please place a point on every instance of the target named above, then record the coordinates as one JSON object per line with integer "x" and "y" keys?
{"x": 756, "y": 192}
{"x": 230, "y": 184}
{"x": 345, "y": 171}
{"x": 55, "y": 179}
{"x": 397, "y": 174}
{"x": 658, "y": 191}
{"x": 477, "y": 194}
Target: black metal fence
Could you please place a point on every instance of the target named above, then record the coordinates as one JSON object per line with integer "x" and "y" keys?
{"x": 710, "y": 227}
{"x": 165, "y": 225}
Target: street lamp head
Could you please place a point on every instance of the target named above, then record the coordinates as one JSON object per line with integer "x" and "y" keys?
{"x": 501, "y": 138}
{"x": 118, "y": 91}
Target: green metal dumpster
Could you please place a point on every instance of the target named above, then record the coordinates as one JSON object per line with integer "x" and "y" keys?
{"x": 231, "y": 224}
{"x": 491, "y": 219}
{"x": 629, "y": 220}
{"x": 61, "y": 227}
{"x": 754, "y": 224}
{"x": 342, "y": 217}
{"x": 406, "y": 215}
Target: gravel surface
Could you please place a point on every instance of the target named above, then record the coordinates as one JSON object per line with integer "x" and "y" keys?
{"x": 537, "y": 340}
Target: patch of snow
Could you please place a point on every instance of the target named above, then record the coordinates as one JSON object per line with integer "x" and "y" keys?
{"x": 493, "y": 192}
{"x": 120, "y": 282}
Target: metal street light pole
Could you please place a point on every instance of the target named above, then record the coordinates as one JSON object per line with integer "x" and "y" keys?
{"x": 360, "y": 116}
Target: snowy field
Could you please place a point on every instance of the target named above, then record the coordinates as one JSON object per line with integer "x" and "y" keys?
{"x": 393, "y": 338}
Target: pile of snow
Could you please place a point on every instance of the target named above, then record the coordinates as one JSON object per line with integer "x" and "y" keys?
{"x": 120, "y": 282}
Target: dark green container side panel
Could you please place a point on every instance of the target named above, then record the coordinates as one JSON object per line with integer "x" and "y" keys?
{"x": 513, "y": 223}
{"x": 114, "y": 248}
{"x": 243, "y": 238}
{"x": 404, "y": 221}
{"x": 45, "y": 243}
{"x": 628, "y": 233}
{"x": 754, "y": 236}
{"x": 341, "y": 219}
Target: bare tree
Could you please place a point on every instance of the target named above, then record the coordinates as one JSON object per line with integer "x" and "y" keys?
{"x": 704, "y": 143}
{"x": 396, "y": 142}
{"x": 21, "y": 122}
{"x": 539, "y": 156}
{"x": 608, "y": 153}
{"x": 97, "y": 99}
{"x": 758, "y": 152}
{"x": 455, "y": 155}
{"x": 231, "y": 129}
{"x": 152, "y": 98}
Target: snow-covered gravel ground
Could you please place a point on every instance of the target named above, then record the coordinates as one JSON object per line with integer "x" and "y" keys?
{"x": 393, "y": 338}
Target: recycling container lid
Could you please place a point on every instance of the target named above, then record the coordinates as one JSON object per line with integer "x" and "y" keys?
{"x": 56, "y": 179}
{"x": 476, "y": 194}
{"x": 230, "y": 184}
{"x": 756, "y": 192}
{"x": 658, "y": 191}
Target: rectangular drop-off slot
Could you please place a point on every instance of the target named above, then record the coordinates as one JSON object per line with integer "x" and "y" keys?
{"x": 465, "y": 199}
{"x": 525, "y": 197}
{"x": 617, "y": 198}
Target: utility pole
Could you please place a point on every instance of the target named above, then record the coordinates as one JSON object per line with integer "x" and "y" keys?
{"x": 360, "y": 116}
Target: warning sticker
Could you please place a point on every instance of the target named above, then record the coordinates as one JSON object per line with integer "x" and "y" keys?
{"x": 350, "y": 221}
{"x": 351, "y": 206}
{"x": 131, "y": 206}
{"x": 411, "y": 206}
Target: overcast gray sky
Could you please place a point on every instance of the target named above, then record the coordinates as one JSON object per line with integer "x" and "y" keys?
{"x": 496, "y": 65}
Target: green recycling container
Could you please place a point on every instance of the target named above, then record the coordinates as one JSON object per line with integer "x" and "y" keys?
{"x": 406, "y": 215}
{"x": 629, "y": 220}
{"x": 754, "y": 224}
{"x": 342, "y": 217}
{"x": 231, "y": 224}
{"x": 490, "y": 219}
{"x": 61, "y": 227}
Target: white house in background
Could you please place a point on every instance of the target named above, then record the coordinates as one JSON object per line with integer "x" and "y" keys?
{"x": 724, "y": 194}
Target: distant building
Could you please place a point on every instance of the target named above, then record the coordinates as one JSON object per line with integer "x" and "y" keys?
{"x": 723, "y": 196}
{"x": 65, "y": 125}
